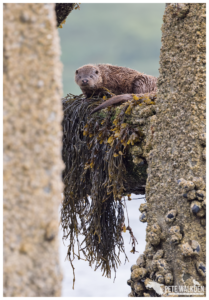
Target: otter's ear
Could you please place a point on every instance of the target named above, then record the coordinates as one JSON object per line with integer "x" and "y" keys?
{"x": 76, "y": 72}
{"x": 97, "y": 72}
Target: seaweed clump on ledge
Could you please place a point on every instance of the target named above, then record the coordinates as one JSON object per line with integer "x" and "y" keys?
{"x": 95, "y": 148}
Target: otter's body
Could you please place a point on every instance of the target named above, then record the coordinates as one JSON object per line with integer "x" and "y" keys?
{"x": 119, "y": 80}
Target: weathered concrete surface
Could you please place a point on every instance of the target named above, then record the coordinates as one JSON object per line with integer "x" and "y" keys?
{"x": 176, "y": 161}
{"x": 32, "y": 150}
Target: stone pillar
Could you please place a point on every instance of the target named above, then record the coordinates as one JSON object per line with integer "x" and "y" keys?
{"x": 175, "y": 253}
{"x": 32, "y": 150}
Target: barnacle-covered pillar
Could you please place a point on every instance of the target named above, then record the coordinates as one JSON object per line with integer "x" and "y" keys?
{"x": 32, "y": 150}
{"x": 175, "y": 252}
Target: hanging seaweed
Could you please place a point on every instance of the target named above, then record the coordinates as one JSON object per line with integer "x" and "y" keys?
{"x": 94, "y": 152}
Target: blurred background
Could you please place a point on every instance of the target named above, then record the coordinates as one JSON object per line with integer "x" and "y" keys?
{"x": 120, "y": 34}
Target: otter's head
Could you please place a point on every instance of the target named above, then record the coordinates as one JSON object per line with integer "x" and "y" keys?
{"x": 88, "y": 77}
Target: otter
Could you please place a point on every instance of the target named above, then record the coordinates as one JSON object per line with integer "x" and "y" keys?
{"x": 121, "y": 81}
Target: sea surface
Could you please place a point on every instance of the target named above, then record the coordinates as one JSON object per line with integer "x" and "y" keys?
{"x": 90, "y": 283}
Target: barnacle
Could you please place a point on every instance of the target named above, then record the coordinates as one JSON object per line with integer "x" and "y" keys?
{"x": 163, "y": 266}
{"x": 129, "y": 282}
{"x": 143, "y": 207}
{"x": 159, "y": 254}
{"x": 191, "y": 248}
{"x": 176, "y": 236}
{"x": 153, "y": 238}
{"x": 141, "y": 260}
{"x": 196, "y": 206}
{"x": 143, "y": 217}
{"x": 186, "y": 250}
{"x": 138, "y": 274}
{"x": 159, "y": 277}
{"x": 202, "y": 138}
{"x": 154, "y": 265}
{"x": 186, "y": 185}
{"x": 201, "y": 268}
{"x": 168, "y": 279}
{"x": 196, "y": 247}
{"x": 149, "y": 251}
{"x": 170, "y": 216}
{"x": 139, "y": 287}
{"x": 191, "y": 195}
{"x": 133, "y": 267}
{"x": 201, "y": 213}
{"x": 199, "y": 183}
{"x": 201, "y": 195}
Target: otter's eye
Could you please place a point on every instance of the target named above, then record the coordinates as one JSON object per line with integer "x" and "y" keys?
{"x": 96, "y": 72}
{"x": 91, "y": 76}
{"x": 76, "y": 72}
{"x": 79, "y": 76}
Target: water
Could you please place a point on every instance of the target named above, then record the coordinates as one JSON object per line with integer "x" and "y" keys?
{"x": 90, "y": 283}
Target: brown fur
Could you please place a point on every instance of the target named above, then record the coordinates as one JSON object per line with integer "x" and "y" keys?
{"x": 119, "y": 80}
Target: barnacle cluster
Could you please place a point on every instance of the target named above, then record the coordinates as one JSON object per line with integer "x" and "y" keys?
{"x": 175, "y": 234}
{"x": 99, "y": 171}
{"x": 191, "y": 248}
{"x": 154, "y": 234}
{"x": 195, "y": 192}
{"x": 150, "y": 270}
{"x": 143, "y": 210}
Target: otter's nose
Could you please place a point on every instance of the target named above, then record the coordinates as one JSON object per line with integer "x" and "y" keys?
{"x": 85, "y": 80}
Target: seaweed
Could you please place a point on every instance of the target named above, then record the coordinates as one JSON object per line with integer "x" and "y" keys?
{"x": 94, "y": 152}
